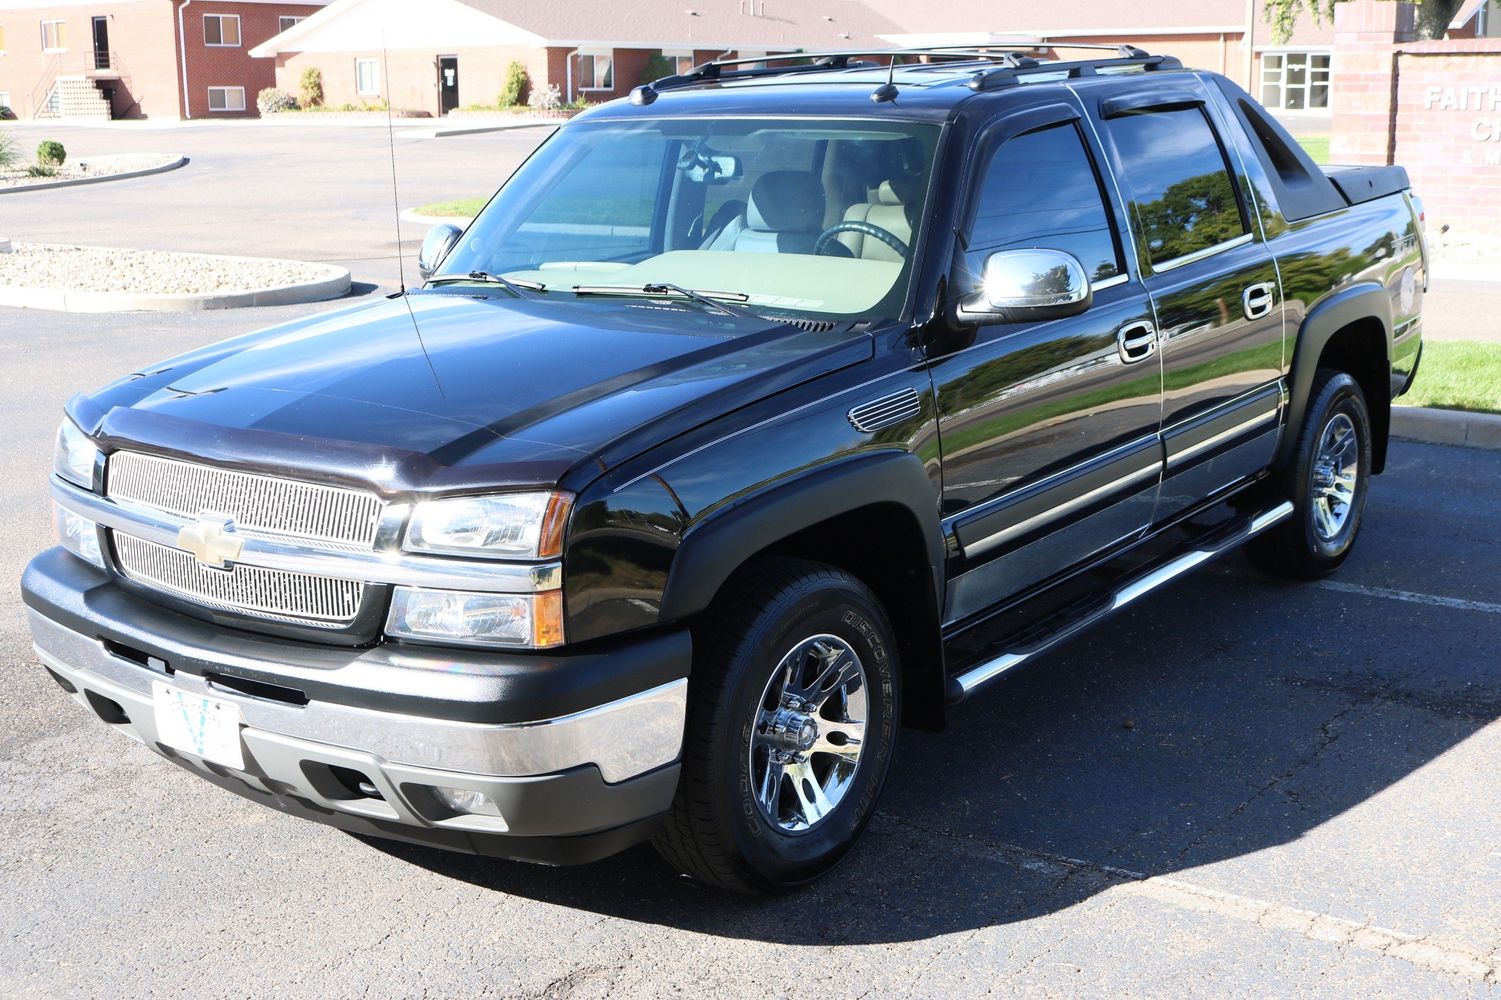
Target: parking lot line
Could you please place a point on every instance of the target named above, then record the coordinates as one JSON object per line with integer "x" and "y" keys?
{"x": 1409, "y": 596}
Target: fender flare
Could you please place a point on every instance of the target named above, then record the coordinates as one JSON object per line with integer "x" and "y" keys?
{"x": 714, "y": 548}
{"x": 1362, "y": 301}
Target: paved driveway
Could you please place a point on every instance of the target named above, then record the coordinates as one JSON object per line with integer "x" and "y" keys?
{"x": 1237, "y": 788}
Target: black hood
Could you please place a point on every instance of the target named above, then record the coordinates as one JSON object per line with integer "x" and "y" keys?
{"x": 479, "y": 389}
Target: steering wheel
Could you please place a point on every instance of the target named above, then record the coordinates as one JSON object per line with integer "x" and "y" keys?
{"x": 866, "y": 228}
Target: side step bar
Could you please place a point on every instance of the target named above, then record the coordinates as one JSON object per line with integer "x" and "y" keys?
{"x": 963, "y": 685}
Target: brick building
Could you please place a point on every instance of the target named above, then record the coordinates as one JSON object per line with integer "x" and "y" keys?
{"x": 139, "y": 58}
{"x": 451, "y": 53}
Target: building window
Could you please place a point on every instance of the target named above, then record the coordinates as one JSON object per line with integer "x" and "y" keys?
{"x": 4, "y": 100}
{"x": 226, "y": 98}
{"x": 1295, "y": 81}
{"x": 54, "y": 36}
{"x": 597, "y": 71}
{"x": 221, "y": 30}
{"x": 682, "y": 62}
{"x": 367, "y": 77}
{"x": 286, "y": 22}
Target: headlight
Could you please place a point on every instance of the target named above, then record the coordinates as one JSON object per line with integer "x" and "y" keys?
{"x": 78, "y": 535}
{"x": 506, "y": 526}
{"x": 532, "y": 621}
{"x": 74, "y": 456}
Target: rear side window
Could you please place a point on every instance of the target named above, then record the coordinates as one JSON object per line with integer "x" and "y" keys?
{"x": 1041, "y": 190}
{"x": 1183, "y": 199}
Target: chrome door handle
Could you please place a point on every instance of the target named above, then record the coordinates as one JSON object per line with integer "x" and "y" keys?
{"x": 1136, "y": 342}
{"x": 1259, "y": 299}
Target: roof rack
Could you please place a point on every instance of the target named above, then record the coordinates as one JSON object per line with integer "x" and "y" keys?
{"x": 1011, "y": 62}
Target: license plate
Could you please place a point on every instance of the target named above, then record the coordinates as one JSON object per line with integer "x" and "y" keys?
{"x": 207, "y": 727}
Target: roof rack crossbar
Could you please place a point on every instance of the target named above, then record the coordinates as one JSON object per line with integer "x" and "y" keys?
{"x": 1006, "y": 76}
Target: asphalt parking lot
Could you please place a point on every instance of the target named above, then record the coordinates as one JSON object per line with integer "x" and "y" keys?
{"x": 1239, "y": 787}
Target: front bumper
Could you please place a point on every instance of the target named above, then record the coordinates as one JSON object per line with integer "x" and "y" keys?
{"x": 573, "y": 783}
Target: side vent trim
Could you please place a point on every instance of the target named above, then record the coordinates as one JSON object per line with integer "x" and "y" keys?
{"x": 887, "y": 411}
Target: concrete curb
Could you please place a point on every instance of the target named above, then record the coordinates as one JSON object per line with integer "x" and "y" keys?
{"x": 480, "y": 128}
{"x": 1456, "y": 427}
{"x": 76, "y": 181}
{"x": 410, "y": 215}
{"x": 335, "y": 284}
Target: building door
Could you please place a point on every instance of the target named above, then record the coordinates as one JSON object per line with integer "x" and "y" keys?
{"x": 101, "y": 43}
{"x": 448, "y": 84}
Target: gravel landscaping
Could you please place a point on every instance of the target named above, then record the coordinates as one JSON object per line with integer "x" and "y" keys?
{"x": 88, "y": 168}
{"x": 1465, "y": 256}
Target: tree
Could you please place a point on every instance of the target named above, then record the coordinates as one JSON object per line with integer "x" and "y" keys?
{"x": 1433, "y": 15}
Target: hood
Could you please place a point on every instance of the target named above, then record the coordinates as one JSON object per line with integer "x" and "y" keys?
{"x": 464, "y": 387}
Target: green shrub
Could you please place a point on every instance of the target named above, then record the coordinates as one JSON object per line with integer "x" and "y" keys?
{"x": 51, "y": 153}
{"x": 10, "y": 153}
{"x": 513, "y": 90}
{"x": 41, "y": 170}
{"x": 271, "y": 100}
{"x": 657, "y": 66}
{"x": 312, "y": 87}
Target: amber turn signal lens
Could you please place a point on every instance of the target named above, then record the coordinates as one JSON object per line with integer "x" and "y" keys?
{"x": 547, "y": 619}
{"x": 554, "y": 523}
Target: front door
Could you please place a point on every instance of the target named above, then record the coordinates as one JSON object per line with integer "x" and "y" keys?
{"x": 101, "y": 43}
{"x": 1214, "y": 286}
{"x": 448, "y": 83}
{"x": 1049, "y": 429}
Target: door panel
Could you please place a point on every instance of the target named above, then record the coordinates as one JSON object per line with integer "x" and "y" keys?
{"x": 1049, "y": 429}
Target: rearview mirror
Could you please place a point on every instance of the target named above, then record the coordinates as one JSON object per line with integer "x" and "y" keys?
{"x": 716, "y": 169}
{"x": 1036, "y": 284}
{"x": 436, "y": 245}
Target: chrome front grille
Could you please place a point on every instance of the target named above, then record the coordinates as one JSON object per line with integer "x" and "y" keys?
{"x": 258, "y": 504}
{"x": 278, "y": 595}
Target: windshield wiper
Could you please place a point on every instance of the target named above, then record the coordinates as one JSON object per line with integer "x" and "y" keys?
{"x": 714, "y": 300}
{"x": 513, "y": 285}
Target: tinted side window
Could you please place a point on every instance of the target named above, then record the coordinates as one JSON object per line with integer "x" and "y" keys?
{"x": 1183, "y": 197}
{"x": 1041, "y": 190}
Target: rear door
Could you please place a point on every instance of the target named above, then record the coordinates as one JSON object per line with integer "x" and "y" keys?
{"x": 1049, "y": 429}
{"x": 1213, "y": 283}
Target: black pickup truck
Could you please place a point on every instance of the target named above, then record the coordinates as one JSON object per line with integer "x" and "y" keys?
{"x": 756, "y": 415}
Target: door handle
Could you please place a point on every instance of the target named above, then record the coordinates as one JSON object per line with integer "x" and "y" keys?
{"x": 1258, "y": 299}
{"x": 1136, "y": 342}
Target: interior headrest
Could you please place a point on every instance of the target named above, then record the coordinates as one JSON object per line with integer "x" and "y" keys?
{"x": 886, "y": 195}
{"x": 786, "y": 201}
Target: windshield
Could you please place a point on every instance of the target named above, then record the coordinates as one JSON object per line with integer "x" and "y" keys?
{"x": 777, "y": 216}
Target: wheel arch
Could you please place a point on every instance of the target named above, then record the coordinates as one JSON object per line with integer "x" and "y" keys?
{"x": 838, "y": 514}
{"x": 1352, "y": 331}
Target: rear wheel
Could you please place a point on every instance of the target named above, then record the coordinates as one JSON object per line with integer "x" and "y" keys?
{"x": 791, "y": 727}
{"x": 1327, "y": 480}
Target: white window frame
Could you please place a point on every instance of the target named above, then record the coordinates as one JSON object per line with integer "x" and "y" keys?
{"x": 594, "y": 55}
{"x": 5, "y": 100}
{"x": 374, "y": 67}
{"x": 282, "y": 25}
{"x": 682, "y": 60}
{"x": 59, "y": 35}
{"x": 227, "y": 91}
{"x": 221, "y": 43}
{"x": 1277, "y": 77}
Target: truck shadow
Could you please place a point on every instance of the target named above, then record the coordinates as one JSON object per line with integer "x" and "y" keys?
{"x": 1224, "y": 717}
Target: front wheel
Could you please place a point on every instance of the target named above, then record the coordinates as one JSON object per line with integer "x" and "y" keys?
{"x": 792, "y": 723}
{"x": 1327, "y": 480}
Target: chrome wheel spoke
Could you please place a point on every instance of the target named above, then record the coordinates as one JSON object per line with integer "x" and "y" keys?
{"x": 809, "y": 792}
{"x": 769, "y": 789}
{"x": 1336, "y": 474}
{"x": 842, "y": 739}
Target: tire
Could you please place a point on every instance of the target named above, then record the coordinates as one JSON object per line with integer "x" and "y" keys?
{"x": 1328, "y": 499}
{"x": 748, "y": 729}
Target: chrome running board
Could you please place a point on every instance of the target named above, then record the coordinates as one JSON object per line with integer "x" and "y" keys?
{"x": 1235, "y": 534}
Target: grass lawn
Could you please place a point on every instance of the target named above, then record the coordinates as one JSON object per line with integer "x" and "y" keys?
{"x": 465, "y": 207}
{"x": 1317, "y": 147}
{"x": 1458, "y": 375}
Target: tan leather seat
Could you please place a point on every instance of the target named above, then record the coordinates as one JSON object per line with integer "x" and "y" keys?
{"x": 886, "y": 211}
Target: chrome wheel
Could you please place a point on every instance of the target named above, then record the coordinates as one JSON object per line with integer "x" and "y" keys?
{"x": 1336, "y": 469}
{"x": 809, "y": 733}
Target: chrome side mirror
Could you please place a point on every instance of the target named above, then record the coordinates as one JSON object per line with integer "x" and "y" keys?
{"x": 437, "y": 244}
{"x": 1022, "y": 285}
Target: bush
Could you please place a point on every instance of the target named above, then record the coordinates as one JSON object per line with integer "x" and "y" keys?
{"x": 312, "y": 87}
{"x": 10, "y": 153}
{"x": 51, "y": 154}
{"x": 514, "y": 89}
{"x": 271, "y": 100}
{"x": 548, "y": 99}
{"x": 657, "y": 66}
{"x": 41, "y": 170}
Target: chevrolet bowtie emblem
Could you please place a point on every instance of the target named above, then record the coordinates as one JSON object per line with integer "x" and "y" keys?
{"x": 212, "y": 540}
